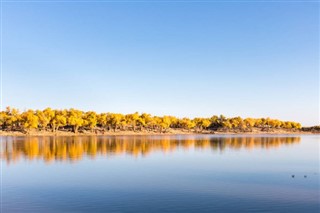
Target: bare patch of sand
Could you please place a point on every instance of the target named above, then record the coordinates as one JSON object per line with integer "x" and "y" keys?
{"x": 254, "y": 131}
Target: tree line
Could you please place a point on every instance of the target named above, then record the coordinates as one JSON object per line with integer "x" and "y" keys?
{"x": 75, "y": 120}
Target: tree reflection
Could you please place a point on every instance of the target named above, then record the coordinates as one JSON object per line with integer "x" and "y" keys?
{"x": 75, "y": 148}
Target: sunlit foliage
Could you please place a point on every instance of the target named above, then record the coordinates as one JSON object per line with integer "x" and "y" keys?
{"x": 59, "y": 119}
{"x": 76, "y": 120}
{"x": 30, "y": 120}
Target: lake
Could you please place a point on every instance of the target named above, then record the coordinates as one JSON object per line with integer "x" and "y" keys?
{"x": 178, "y": 173}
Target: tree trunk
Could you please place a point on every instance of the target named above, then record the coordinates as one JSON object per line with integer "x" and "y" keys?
{"x": 75, "y": 129}
{"x": 57, "y": 128}
{"x": 53, "y": 128}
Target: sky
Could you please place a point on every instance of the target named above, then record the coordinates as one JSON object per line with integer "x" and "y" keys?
{"x": 182, "y": 58}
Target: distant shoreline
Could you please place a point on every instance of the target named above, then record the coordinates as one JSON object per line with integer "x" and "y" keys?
{"x": 76, "y": 122}
{"x": 170, "y": 132}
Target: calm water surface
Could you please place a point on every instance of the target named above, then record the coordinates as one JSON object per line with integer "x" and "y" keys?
{"x": 186, "y": 173}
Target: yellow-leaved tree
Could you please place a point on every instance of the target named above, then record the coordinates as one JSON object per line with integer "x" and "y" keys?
{"x": 75, "y": 119}
{"x": 132, "y": 120}
{"x": 10, "y": 118}
{"x": 30, "y": 120}
{"x": 187, "y": 123}
{"x": 102, "y": 120}
{"x": 164, "y": 123}
{"x": 115, "y": 120}
{"x": 201, "y": 123}
{"x": 90, "y": 119}
{"x": 59, "y": 119}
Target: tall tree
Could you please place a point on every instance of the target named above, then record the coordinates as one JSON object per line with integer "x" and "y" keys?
{"x": 75, "y": 119}
{"x": 90, "y": 119}
{"x": 59, "y": 119}
{"x": 30, "y": 120}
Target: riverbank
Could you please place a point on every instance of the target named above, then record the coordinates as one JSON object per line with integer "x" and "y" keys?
{"x": 255, "y": 131}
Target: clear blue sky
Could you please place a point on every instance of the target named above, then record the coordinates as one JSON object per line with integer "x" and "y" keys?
{"x": 253, "y": 59}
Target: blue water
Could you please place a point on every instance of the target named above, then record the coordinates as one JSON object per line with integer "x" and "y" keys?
{"x": 184, "y": 173}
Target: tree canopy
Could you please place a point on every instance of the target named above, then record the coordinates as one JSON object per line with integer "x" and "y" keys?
{"x": 74, "y": 120}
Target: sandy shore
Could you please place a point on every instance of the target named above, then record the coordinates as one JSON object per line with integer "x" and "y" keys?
{"x": 170, "y": 132}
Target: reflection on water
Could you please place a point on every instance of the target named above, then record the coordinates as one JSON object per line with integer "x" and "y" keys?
{"x": 75, "y": 148}
{"x": 197, "y": 173}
